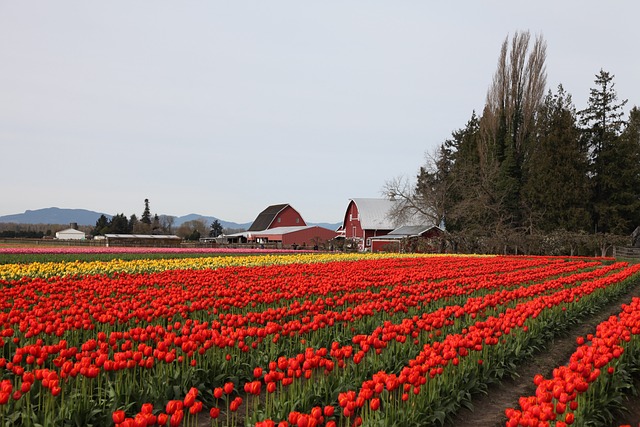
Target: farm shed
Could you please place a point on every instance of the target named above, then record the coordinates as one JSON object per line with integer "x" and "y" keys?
{"x": 70, "y": 234}
{"x": 407, "y": 235}
{"x": 282, "y": 215}
{"x": 305, "y": 236}
{"x": 367, "y": 218}
{"x": 152, "y": 240}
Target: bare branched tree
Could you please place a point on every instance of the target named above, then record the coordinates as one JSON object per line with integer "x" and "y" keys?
{"x": 517, "y": 90}
{"x": 402, "y": 190}
{"x": 421, "y": 201}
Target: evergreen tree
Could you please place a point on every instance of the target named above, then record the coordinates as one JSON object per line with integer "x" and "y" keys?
{"x": 627, "y": 195}
{"x": 602, "y": 124}
{"x": 119, "y": 224}
{"x": 146, "y": 214}
{"x": 467, "y": 201}
{"x": 216, "y": 228}
{"x": 556, "y": 174}
{"x": 102, "y": 226}
{"x": 133, "y": 221}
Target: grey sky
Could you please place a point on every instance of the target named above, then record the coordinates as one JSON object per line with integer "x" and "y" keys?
{"x": 224, "y": 107}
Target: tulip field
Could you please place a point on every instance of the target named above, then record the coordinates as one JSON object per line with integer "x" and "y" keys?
{"x": 307, "y": 339}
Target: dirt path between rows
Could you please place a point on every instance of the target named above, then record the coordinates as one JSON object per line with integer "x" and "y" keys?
{"x": 489, "y": 409}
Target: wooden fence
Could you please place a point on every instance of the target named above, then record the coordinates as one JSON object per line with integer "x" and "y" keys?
{"x": 626, "y": 252}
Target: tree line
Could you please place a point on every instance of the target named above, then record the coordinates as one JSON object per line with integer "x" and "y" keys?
{"x": 147, "y": 224}
{"x": 154, "y": 224}
{"x": 532, "y": 173}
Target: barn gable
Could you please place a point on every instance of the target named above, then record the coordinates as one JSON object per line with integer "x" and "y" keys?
{"x": 366, "y": 218}
{"x": 282, "y": 215}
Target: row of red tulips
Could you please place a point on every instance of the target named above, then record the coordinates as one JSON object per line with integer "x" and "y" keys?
{"x": 444, "y": 367}
{"x": 313, "y": 360}
{"x": 289, "y": 339}
{"x": 589, "y": 387}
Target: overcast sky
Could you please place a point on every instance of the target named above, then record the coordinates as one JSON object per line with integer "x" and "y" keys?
{"x": 224, "y": 107}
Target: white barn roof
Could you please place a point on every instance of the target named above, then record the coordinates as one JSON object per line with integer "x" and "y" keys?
{"x": 71, "y": 231}
{"x": 70, "y": 234}
{"x": 374, "y": 213}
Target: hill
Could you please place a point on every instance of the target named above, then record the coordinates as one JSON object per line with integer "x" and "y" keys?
{"x": 209, "y": 219}
{"x": 56, "y": 215}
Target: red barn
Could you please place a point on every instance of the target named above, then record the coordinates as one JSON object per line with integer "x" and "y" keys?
{"x": 277, "y": 216}
{"x": 367, "y": 218}
{"x": 284, "y": 226}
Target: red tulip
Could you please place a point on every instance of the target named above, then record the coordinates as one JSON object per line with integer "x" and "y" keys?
{"x": 139, "y": 420}
{"x": 569, "y": 418}
{"x": 257, "y": 372}
{"x": 228, "y": 388}
{"x": 118, "y": 416}
{"x": 214, "y": 412}
{"x": 162, "y": 419}
{"x": 189, "y": 400}
{"x": 176, "y": 418}
{"x": 195, "y": 408}
{"x": 235, "y": 403}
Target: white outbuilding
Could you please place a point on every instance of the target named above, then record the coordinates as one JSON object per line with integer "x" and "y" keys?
{"x": 70, "y": 234}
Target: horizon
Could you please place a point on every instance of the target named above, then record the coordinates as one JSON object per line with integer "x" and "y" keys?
{"x": 201, "y": 215}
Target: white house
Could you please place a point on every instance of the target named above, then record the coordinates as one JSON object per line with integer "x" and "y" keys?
{"x": 70, "y": 234}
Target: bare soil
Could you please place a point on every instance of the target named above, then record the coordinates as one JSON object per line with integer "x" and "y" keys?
{"x": 489, "y": 409}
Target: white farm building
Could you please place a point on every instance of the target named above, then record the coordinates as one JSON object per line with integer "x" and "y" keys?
{"x": 70, "y": 234}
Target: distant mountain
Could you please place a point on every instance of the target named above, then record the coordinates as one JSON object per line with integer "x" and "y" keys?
{"x": 327, "y": 225}
{"x": 234, "y": 225}
{"x": 86, "y": 217}
{"x": 208, "y": 219}
{"x": 54, "y": 216}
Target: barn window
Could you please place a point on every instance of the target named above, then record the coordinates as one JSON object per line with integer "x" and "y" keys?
{"x": 297, "y": 220}
{"x": 369, "y": 241}
{"x": 279, "y": 219}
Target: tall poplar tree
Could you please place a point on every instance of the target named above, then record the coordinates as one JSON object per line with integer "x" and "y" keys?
{"x": 508, "y": 119}
{"x": 146, "y": 214}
